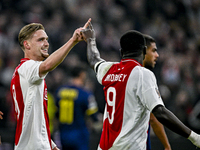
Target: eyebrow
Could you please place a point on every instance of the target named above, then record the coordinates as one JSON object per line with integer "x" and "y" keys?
{"x": 42, "y": 38}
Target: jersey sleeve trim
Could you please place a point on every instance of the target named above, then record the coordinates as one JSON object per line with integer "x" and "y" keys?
{"x": 96, "y": 66}
{"x": 103, "y": 69}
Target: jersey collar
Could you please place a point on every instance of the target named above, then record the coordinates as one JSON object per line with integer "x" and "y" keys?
{"x": 133, "y": 60}
{"x": 24, "y": 59}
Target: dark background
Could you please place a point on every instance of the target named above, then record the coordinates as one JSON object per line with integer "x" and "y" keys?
{"x": 175, "y": 24}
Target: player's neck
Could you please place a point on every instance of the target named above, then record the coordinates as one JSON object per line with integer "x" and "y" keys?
{"x": 138, "y": 59}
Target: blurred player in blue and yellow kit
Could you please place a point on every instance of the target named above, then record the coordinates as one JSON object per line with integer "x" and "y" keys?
{"x": 75, "y": 103}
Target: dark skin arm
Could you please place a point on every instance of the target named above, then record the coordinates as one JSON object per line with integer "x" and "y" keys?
{"x": 159, "y": 131}
{"x": 168, "y": 119}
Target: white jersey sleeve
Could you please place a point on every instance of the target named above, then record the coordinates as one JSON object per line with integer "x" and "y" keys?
{"x": 31, "y": 70}
{"x": 102, "y": 70}
{"x": 150, "y": 96}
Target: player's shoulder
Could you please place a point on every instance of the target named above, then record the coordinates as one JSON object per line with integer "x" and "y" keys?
{"x": 143, "y": 72}
{"x": 30, "y": 63}
{"x": 104, "y": 67}
{"x": 106, "y": 64}
{"x": 147, "y": 71}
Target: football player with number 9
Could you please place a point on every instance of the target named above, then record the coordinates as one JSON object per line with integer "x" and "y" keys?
{"x": 131, "y": 94}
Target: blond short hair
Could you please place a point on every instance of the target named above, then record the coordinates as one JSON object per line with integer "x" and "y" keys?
{"x": 27, "y": 31}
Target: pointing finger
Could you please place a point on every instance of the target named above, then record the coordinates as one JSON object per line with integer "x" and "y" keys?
{"x": 87, "y": 23}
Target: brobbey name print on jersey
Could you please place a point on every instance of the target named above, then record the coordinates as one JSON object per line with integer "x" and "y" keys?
{"x": 115, "y": 77}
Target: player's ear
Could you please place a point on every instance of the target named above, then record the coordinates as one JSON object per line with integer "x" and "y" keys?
{"x": 144, "y": 50}
{"x": 26, "y": 44}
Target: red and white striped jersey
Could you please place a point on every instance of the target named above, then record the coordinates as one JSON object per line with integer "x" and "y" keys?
{"x": 29, "y": 94}
{"x": 131, "y": 93}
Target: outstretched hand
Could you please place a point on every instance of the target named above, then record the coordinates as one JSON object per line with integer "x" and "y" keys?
{"x": 77, "y": 36}
{"x": 88, "y": 33}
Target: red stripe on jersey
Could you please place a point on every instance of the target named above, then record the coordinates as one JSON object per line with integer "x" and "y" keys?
{"x": 18, "y": 102}
{"x": 45, "y": 101}
{"x": 114, "y": 83}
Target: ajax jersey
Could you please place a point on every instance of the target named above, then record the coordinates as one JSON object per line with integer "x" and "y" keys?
{"x": 29, "y": 94}
{"x": 131, "y": 93}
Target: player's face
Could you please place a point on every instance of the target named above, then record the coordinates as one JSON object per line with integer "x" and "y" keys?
{"x": 151, "y": 56}
{"x": 39, "y": 45}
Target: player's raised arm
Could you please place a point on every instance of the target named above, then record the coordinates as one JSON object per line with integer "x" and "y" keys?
{"x": 59, "y": 55}
{"x": 93, "y": 54}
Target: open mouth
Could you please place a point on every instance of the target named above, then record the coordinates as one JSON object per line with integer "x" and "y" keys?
{"x": 45, "y": 50}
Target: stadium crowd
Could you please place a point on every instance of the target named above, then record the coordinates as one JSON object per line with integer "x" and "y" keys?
{"x": 173, "y": 23}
